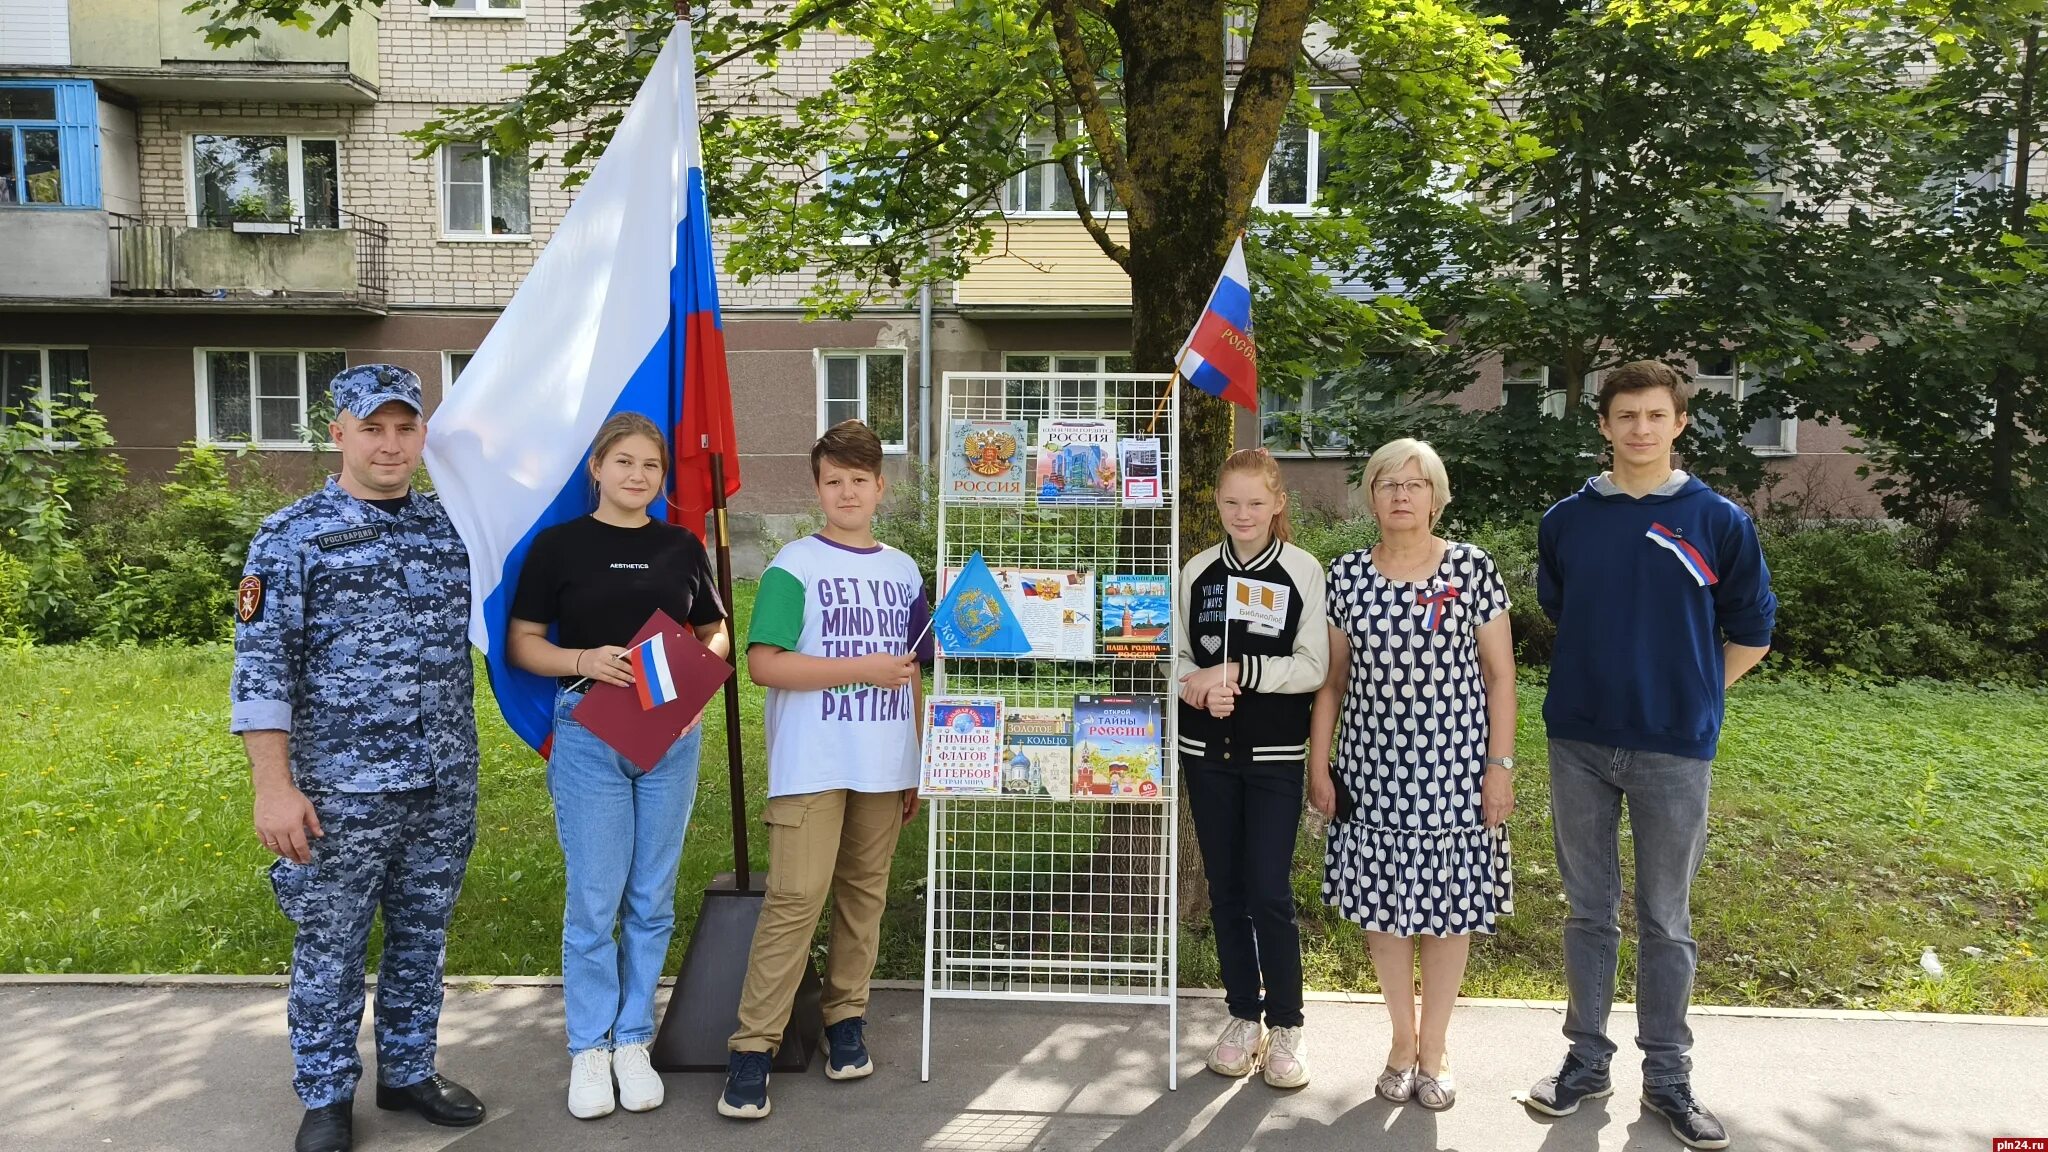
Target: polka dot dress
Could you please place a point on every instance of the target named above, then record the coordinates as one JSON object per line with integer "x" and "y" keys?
{"x": 1415, "y": 858}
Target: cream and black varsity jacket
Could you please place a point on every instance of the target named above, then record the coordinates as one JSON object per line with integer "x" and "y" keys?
{"x": 1280, "y": 665}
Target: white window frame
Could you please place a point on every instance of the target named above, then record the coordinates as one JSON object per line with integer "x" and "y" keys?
{"x": 1550, "y": 400}
{"x": 1063, "y": 407}
{"x": 203, "y": 407}
{"x": 1315, "y": 165}
{"x": 486, "y": 236}
{"x": 295, "y": 178}
{"x": 448, "y": 373}
{"x": 820, "y": 358}
{"x": 1739, "y": 386}
{"x": 482, "y": 11}
{"x": 826, "y": 180}
{"x": 43, "y": 376}
{"x": 1011, "y": 194}
{"x": 1272, "y": 403}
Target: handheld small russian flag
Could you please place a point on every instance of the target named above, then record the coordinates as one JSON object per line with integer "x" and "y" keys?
{"x": 651, "y": 676}
{"x": 1219, "y": 357}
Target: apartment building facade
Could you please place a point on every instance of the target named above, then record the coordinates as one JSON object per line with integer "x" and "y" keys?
{"x": 204, "y": 236}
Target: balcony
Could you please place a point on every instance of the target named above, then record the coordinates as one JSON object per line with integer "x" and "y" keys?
{"x": 1045, "y": 266}
{"x": 152, "y": 50}
{"x": 159, "y": 263}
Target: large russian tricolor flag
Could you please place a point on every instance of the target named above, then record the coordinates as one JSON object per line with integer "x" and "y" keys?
{"x": 620, "y": 314}
{"x": 1219, "y": 357}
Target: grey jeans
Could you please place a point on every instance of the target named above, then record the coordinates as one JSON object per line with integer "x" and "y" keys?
{"x": 1667, "y": 811}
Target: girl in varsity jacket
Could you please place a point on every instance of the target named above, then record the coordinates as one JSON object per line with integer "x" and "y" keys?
{"x": 1250, "y": 648}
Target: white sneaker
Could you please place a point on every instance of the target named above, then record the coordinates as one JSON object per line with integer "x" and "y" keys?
{"x": 1285, "y": 1056}
{"x": 590, "y": 1084}
{"x": 1236, "y": 1051}
{"x": 640, "y": 1088}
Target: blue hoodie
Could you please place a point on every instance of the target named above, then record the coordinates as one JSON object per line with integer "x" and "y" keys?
{"x": 1644, "y": 593}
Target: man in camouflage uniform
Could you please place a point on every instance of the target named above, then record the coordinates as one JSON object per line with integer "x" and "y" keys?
{"x": 352, "y": 692}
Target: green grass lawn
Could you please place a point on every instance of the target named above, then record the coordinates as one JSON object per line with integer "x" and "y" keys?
{"x": 1853, "y": 826}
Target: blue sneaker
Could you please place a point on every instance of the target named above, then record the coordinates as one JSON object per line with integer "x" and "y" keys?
{"x": 746, "y": 1086}
{"x": 849, "y": 1058}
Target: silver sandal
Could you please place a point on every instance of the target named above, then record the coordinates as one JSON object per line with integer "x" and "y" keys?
{"x": 1437, "y": 1092}
{"x": 1396, "y": 1085}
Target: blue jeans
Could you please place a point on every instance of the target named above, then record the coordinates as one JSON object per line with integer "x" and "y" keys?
{"x": 621, "y": 832}
{"x": 1667, "y": 811}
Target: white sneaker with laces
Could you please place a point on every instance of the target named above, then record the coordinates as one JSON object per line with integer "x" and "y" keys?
{"x": 1284, "y": 1053}
{"x": 1236, "y": 1051}
{"x": 640, "y": 1087}
{"x": 590, "y": 1084}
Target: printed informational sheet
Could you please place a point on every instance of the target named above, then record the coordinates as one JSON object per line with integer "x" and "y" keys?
{"x": 1139, "y": 460}
{"x": 1135, "y": 615}
{"x": 1038, "y": 752}
{"x": 1117, "y": 747}
{"x": 985, "y": 462}
{"x": 1077, "y": 462}
{"x": 1057, "y": 607}
{"x": 963, "y": 746}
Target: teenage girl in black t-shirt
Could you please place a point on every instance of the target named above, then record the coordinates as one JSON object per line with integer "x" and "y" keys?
{"x": 595, "y": 581}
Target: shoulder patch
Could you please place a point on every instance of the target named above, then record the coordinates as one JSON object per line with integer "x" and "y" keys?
{"x": 347, "y": 536}
{"x": 249, "y": 598}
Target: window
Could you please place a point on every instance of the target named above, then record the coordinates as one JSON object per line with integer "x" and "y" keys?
{"x": 1721, "y": 372}
{"x": 452, "y": 364}
{"x": 483, "y": 195}
{"x": 49, "y": 140}
{"x": 270, "y": 178}
{"x": 33, "y": 379}
{"x": 1299, "y": 165}
{"x": 262, "y": 396}
{"x": 1543, "y": 386}
{"x": 1043, "y": 190}
{"x": 1300, "y": 424}
{"x": 502, "y": 9}
{"x": 840, "y": 180}
{"x": 1079, "y": 395}
{"x": 864, "y": 386}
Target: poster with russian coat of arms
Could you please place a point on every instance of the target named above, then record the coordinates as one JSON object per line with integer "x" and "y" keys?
{"x": 985, "y": 462}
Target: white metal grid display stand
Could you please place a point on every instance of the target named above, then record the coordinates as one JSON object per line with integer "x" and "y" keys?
{"x": 1032, "y": 898}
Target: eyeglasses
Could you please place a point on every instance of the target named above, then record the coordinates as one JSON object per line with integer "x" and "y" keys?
{"x": 1413, "y": 489}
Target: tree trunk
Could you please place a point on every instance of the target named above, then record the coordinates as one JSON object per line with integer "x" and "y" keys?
{"x": 2005, "y": 383}
{"x": 1173, "y": 61}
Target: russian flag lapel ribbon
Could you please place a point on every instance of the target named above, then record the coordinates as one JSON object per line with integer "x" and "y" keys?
{"x": 1676, "y": 544}
{"x": 1435, "y": 602}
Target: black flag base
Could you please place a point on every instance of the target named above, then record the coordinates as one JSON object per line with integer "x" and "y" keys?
{"x": 704, "y": 1006}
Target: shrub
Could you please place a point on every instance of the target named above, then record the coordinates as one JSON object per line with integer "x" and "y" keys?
{"x": 1850, "y": 600}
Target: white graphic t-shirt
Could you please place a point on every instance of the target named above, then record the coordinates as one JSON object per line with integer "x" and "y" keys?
{"x": 826, "y": 599}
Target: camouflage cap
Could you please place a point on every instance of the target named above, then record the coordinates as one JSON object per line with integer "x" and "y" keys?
{"x": 367, "y": 387}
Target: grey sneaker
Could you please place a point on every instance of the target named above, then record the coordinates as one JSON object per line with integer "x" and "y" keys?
{"x": 1689, "y": 1119}
{"x": 1561, "y": 1094}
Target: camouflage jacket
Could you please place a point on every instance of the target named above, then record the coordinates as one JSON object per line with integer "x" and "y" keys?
{"x": 352, "y": 635}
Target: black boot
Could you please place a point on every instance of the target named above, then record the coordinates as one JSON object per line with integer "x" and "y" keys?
{"x": 439, "y": 1099}
{"x": 327, "y": 1129}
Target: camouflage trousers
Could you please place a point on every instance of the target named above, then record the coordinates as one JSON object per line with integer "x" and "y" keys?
{"x": 403, "y": 852}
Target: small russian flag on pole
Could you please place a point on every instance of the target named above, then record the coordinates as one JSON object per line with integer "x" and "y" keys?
{"x": 1219, "y": 357}
{"x": 651, "y": 676}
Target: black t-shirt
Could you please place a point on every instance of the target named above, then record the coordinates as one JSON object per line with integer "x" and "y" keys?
{"x": 395, "y": 504}
{"x": 598, "y": 583}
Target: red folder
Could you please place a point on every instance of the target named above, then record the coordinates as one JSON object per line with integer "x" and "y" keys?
{"x": 644, "y": 735}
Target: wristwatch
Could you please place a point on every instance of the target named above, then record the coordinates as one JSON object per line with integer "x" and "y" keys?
{"x": 1507, "y": 762}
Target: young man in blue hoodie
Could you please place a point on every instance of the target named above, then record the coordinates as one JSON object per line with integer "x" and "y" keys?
{"x": 1661, "y": 599}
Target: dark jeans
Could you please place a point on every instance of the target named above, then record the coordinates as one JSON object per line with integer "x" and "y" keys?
{"x": 1245, "y": 820}
{"x": 1667, "y": 810}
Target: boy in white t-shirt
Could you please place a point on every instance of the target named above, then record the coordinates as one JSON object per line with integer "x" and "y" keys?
{"x": 830, "y": 640}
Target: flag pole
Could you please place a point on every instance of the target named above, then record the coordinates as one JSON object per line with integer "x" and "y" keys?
{"x": 736, "y": 776}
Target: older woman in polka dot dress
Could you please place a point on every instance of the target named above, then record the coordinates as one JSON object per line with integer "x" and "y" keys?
{"x": 1422, "y": 668}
